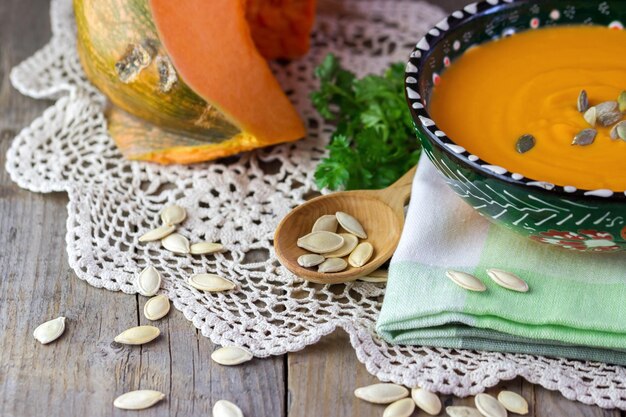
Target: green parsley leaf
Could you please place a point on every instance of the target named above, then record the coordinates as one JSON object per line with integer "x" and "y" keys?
{"x": 373, "y": 143}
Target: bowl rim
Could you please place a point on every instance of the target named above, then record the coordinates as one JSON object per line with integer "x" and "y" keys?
{"x": 422, "y": 117}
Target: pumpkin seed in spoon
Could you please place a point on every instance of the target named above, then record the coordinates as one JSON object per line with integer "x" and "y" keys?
{"x": 173, "y": 214}
{"x": 321, "y": 242}
{"x": 332, "y": 265}
{"x": 50, "y": 331}
{"x": 349, "y": 243}
{"x": 361, "y": 254}
{"x": 310, "y": 259}
{"x": 158, "y": 233}
{"x": 326, "y": 223}
{"x": 351, "y": 225}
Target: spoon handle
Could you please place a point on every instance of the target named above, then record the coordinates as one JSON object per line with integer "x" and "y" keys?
{"x": 399, "y": 192}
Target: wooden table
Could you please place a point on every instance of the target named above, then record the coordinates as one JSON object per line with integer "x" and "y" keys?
{"x": 82, "y": 373}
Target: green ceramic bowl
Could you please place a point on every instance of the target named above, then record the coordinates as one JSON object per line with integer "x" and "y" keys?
{"x": 567, "y": 217}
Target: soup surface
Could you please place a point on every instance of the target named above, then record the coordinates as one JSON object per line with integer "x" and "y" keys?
{"x": 529, "y": 84}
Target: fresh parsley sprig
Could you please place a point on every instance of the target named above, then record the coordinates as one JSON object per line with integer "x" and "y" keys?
{"x": 373, "y": 143}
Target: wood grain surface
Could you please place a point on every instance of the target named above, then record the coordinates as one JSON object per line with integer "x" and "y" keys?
{"x": 85, "y": 370}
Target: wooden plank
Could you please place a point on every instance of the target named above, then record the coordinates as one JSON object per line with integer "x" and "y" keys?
{"x": 81, "y": 373}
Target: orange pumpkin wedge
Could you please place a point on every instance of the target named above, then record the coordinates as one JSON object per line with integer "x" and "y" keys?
{"x": 215, "y": 55}
{"x": 188, "y": 81}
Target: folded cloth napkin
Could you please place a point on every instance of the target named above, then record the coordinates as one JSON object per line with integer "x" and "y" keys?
{"x": 576, "y": 306}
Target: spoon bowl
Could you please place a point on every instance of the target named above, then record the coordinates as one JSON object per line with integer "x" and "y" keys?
{"x": 380, "y": 212}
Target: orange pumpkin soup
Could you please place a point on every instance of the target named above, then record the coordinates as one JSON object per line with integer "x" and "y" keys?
{"x": 529, "y": 83}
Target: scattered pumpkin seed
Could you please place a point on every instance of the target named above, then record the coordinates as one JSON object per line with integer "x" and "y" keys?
{"x": 465, "y": 280}
{"x": 138, "y": 335}
{"x": 224, "y": 408}
{"x": 608, "y": 113}
{"x": 525, "y": 143}
{"x": 231, "y": 355}
{"x": 507, "y": 280}
{"x": 426, "y": 400}
{"x": 326, "y": 223}
{"x": 349, "y": 243}
{"x": 203, "y": 248}
{"x": 148, "y": 281}
{"x": 50, "y": 331}
{"x": 621, "y": 101}
{"x": 400, "y": 408}
{"x": 157, "y": 234}
{"x": 619, "y": 131}
{"x": 321, "y": 242}
{"x": 513, "y": 402}
{"x": 489, "y": 406}
{"x": 361, "y": 255}
{"x": 332, "y": 265}
{"x": 173, "y": 214}
{"x": 383, "y": 393}
{"x": 176, "y": 243}
{"x": 456, "y": 411}
{"x": 583, "y": 101}
{"x": 138, "y": 400}
{"x": 156, "y": 308}
{"x": 351, "y": 225}
{"x": 210, "y": 282}
{"x": 310, "y": 259}
{"x": 585, "y": 137}
{"x": 591, "y": 116}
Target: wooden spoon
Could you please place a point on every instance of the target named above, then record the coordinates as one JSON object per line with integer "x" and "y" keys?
{"x": 381, "y": 212}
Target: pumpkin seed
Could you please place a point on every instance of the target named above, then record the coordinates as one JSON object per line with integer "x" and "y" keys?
{"x": 525, "y": 143}
{"x": 608, "y": 113}
{"x": 351, "y": 225}
{"x": 332, "y": 265}
{"x": 384, "y": 393}
{"x": 489, "y": 406}
{"x": 513, "y": 402}
{"x": 426, "y": 400}
{"x": 210, "y": 282}
{"x": 224, "y": 408}
{"x": 173, "y": 214}
{"x": 465, "y": 280}
{"x": 621, "y": 101}
{"x": 321, "y": 242}
{"x": 619, "y": 131}
{"x": 231, "y": 355}
{"x": 507, "y": 280}
{"x": 583, "y": 101}
{"x": 349, "y": 243}
{"x": 591, "y": 116}
{"x": 203, "y": 248}
{"x": 148, "y": 281}
{"x": 310, "y": 259}
{"x": 156, "y": 308}
{"x": 400, "y": 408}
{"x": 463, "y": 412}
{"x": 50, "y": 331}
{"x": 176, "y": 243}
{"x": 138, "y": 400}
{"x": 326, "y": 223}
{"x": 138, "y": 335}
{"x": 157, "y": 234}
{"x": 585, "y": 137}
{"x": 361, "y": 255}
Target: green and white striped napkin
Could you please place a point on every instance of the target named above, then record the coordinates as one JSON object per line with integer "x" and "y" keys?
{"x": 576, "y": 306}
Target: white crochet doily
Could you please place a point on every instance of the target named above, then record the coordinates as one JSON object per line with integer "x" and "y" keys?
{"x": 239, "y": 202}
